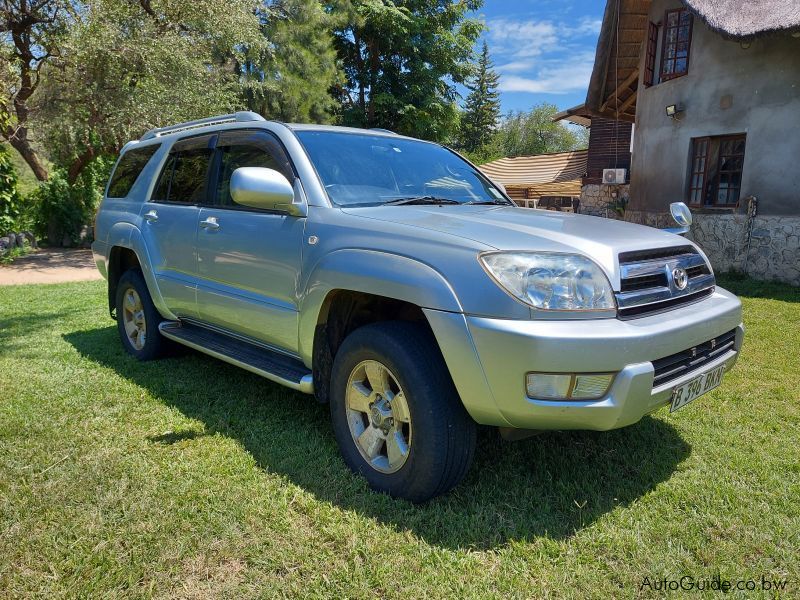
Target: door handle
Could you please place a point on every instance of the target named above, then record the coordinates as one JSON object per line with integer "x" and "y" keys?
{"x": 151, "y": 216}
{"x": 210, "y": 223}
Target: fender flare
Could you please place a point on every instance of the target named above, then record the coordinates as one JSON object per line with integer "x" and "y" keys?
{"x": 127, "y": 235}
{"x": 371, "y": 272}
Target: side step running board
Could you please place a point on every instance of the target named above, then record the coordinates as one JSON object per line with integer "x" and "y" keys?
{"x": 272, "y": 365}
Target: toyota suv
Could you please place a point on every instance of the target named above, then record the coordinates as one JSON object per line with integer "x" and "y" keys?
{"x": 391, "y": 279}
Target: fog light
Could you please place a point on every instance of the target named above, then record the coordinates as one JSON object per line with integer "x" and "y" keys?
{"x": 549, "y": 387}
{"x": 591, "y": 386}
{"x": 568, "y": 386}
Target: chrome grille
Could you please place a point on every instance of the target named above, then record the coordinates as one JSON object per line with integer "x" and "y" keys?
{"x": 647, "y": 282}
{"x": 671, "y": 367}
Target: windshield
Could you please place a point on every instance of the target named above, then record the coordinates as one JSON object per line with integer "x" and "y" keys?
{"x": 369, "y": 170}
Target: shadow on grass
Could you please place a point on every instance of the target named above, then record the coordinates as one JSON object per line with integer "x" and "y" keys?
{"x": 551, "y": 485}
{"x": 16, "y": 332}
{"x": 745, "y": 286}
{"x": 174, "y": 437}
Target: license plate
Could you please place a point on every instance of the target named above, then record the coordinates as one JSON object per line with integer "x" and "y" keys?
{"x": 691, "y": 390}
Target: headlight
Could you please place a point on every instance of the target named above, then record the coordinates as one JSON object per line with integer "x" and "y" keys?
{"x": 551, "y": 281}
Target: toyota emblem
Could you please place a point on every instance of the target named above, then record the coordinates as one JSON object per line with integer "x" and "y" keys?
{"x": 680, "y": 278}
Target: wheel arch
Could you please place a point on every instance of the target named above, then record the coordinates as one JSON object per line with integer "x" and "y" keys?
{"x": 369, "y": 272}
{"x": 344, "y": 311}
{"x": 120, "y": 259}
{"x": 126, "y": 249}
{"x": 351, "y": 288}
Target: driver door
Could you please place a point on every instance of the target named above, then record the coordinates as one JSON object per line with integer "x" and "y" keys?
{"x": 249, "y": 259}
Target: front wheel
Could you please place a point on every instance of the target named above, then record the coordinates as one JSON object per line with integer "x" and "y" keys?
{"x": 396, "y": 414}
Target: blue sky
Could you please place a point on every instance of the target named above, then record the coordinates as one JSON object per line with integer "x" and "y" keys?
{"x": 543, "y": 50}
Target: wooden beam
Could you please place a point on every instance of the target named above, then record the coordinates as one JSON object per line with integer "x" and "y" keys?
{"x": 625, "y": 105}
{"x": 628, "y": 80}
{"x": 597, "y": 82}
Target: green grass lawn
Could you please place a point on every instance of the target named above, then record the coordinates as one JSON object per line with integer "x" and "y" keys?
{"x": 190, "y": 478}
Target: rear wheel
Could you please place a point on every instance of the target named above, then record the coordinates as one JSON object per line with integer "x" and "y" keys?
{"x": 396, "y": 415}
{"x": 137, "y": 318}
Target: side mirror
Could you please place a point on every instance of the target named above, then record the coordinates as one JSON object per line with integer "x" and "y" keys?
{"x": 497, "y": 184}
{"x": 682, "y": 216}
{"x": 259, "y": 187}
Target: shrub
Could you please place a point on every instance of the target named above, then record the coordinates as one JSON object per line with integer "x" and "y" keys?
{"x": 61, "y": 210}
{"x": 10, "y": 200}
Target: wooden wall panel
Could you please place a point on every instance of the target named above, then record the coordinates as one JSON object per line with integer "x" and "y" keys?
{"x": 609, "y": 148}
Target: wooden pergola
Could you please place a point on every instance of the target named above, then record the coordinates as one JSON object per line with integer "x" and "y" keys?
{"x": 529, "y": 179}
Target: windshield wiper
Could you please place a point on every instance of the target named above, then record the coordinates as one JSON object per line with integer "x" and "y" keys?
{"x": 421, "y": 200}
{"x": 479, "y": 202}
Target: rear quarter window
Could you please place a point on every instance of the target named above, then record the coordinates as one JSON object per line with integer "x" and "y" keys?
{"x": 128, "y": 170}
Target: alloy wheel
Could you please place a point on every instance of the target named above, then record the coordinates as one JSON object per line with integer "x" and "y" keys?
{"x": 378, "y": 416}
{"x": 133, "y": 319}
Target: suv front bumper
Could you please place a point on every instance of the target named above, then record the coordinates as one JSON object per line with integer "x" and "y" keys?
{"x": 489, "y": 359}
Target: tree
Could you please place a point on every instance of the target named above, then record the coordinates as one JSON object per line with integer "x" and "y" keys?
{"x": 482, "y": 112}
{"x": 124, "y": 67}
{"x": 535, "y": 132}
{"x": 402, "y": 59}
{"x": 30, "y": 32}
{"x": 289, "y": 78}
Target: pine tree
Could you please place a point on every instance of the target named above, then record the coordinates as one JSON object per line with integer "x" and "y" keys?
{"x": 402, "y": 60}
{"x": 482, "y": 112}
{"x": 290, "y": 78}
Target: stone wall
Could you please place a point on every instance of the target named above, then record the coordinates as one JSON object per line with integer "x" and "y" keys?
{"x": 774, "y": 248}
{"x": 595, "y": 198}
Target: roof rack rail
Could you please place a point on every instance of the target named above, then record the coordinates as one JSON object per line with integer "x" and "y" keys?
{"x": 242, "y": 116}
{"x": 382, "y": 130}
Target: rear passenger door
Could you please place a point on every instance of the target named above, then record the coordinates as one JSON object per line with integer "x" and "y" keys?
{"x": 170, "y": 221}
{"x": 249, "y": 259}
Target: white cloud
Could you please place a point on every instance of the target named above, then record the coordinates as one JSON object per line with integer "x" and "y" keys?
{"x": 588, "y": 26}
{"x": 559, "y": 80}
{"x": 542, "y": 56}
{"x": 521, "y": 38}
{"x": 516, "y": 65}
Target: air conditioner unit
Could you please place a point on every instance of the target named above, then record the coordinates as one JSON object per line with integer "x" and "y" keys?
{"x": 614, "y": 176}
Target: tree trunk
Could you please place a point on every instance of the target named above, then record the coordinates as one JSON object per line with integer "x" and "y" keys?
{"x": 23, "y": 40}
{"x": 373, "y": 81}
{"x": 362, "y": 102}
{"x": 79, "y": 164}
{"x": 19, "y": 141}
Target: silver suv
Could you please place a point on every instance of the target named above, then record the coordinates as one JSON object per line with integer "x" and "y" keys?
{"x": 391, "y": 279}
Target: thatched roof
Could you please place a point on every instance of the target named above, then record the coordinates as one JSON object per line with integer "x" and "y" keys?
{"x": 576, "y": 115}
{"x": 615, "y": 78}
{"x": 555, "y": 167}
{"x": 742, "y": 20}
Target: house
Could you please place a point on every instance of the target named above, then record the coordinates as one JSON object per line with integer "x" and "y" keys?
{"x": 609, "y": 148}
{"x": 546, "y": 180}
{"x": 713, "y": 88}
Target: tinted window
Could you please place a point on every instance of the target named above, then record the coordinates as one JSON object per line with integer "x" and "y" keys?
{"x": 128, "y": 169}
{"x": 247, "y": 148}
{"x": 184, "y": 175}
{"x": 161, "y": 192}
{"x": 364, "y": 169}
{"x": 189, "y": 176}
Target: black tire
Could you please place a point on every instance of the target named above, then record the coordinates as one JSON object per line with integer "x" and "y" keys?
{"x": 154, "y": 345}
{"x": 444, "y": 435}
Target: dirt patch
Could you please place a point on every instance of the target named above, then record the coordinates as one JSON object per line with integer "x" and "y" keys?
{"x": 50, "y": 266}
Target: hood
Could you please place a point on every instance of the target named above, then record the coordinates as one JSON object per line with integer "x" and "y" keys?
{"x": 513, "y": 228}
